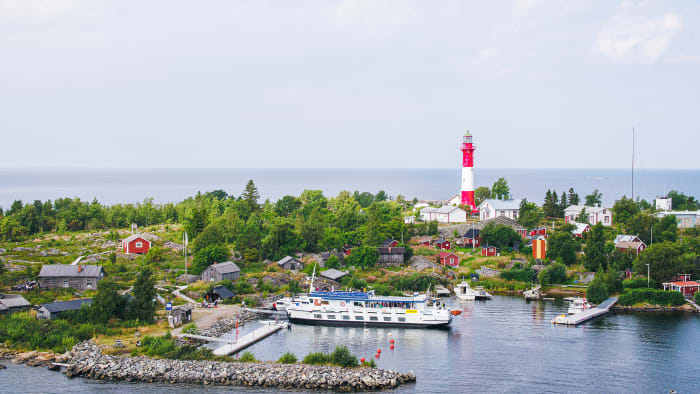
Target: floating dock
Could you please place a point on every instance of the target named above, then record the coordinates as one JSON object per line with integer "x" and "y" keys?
{"x": 243, "y": 342}
{"x": 578, "y": 318}
{"x": 442, "y": 291}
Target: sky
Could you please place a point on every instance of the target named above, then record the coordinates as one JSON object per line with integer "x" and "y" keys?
{"x": 349, "y": 84}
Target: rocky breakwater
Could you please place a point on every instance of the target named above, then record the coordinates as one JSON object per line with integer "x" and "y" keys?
{"x": 88, "y": 361}
{"x": 38, "y": 359}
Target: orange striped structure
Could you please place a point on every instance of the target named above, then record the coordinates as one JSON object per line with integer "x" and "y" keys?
{"x": 539, "y": 248}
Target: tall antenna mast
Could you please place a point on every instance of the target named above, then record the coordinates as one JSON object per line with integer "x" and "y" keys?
{"x": 632, "y": 162}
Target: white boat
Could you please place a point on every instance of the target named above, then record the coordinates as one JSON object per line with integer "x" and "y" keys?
{"x": 577, "y": 305}
{"x": 358, "y": 308}
{"x": 282, "y": 304}
{"x": 464, "y": 292}
{"x": 481, "y": 294}
{"x": 533, "y": 294}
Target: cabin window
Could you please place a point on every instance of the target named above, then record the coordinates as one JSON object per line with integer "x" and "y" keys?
{"x": 139, "y": 244}
{"x": 359, "y": 318}
{"x": 358, "y": 304}
{"x": 331, "y": 317}
{"x": 607, "y": 219}
{"x": 324, "y": 302}
{"x": 88, "y": 283}
{"x": 374, "y": 318}
{"x": 346, "y": 317}
{"x": 387, "y": 318}
{"x": 402, "y": 319}
{"x": 65, "y": 283}
{"x": 317, "y": 316}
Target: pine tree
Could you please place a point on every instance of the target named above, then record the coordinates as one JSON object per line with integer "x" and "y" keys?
{"x": 555, "y": 204}
{"x": 573, "y": 197}
{"x": 547, "y": 206}
{"x": 143, "y": 307}
{"x": 563, "y": 205}
{"x": 251, "y": 196}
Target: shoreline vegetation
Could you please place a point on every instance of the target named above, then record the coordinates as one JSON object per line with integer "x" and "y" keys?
{"x": 343, "y": 232}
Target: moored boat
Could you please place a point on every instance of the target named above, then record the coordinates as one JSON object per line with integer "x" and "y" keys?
{"x": 481, "y": 294}
{"x": 464, "y": 292}
{"x": 532, "y": 294}
{"x": 577, "y": 305}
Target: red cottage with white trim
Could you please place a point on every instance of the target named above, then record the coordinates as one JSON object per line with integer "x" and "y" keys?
{"x": 136, "y": 244}
{"x": 489, "y": 251}
{"x": 447, "y": 258}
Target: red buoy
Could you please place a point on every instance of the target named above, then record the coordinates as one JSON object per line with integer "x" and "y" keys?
{"x": 379, "y": 350}
{"x": 362, "y": 360}
{"x": 376, "y": 355}
{"x": 391, "y": 347}
{"x": 392, "y": 341}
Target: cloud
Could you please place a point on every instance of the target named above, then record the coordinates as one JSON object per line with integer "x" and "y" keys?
{"x": 628, "y": 38}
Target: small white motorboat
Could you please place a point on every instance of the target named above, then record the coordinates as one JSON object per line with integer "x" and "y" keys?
{"x": 464, "y": 292}
{"x": 577, "y": 305}
{"x": 532, "y": 294}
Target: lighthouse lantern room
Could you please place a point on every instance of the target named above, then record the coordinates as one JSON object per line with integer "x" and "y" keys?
{"x": 467, "y": 148}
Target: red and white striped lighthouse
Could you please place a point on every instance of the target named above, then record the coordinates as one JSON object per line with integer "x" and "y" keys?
{"x": 468, "y": 171}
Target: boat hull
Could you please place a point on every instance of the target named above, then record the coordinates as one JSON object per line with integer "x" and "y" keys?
{"x": 340, "y": 323}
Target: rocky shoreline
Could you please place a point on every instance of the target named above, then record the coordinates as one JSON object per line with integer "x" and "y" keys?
{"x": 89, "y": 362}
{"x": 653, "y": 308}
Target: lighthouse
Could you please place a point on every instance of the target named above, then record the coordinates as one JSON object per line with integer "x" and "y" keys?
{"x": 467, "y": 149}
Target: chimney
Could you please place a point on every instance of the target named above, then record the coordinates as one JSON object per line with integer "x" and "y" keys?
{"x": 80, "y": 268}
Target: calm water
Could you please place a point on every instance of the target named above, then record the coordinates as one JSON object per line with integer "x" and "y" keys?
{"x": 504, "y": 345}
{"x": 113, "y": 186}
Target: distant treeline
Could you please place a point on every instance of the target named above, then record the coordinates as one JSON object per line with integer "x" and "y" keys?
{"x": 310, "y": 222}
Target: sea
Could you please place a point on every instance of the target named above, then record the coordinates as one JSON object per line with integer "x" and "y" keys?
{"x": 113, "y": 186}
{"x": 503, "y": 345}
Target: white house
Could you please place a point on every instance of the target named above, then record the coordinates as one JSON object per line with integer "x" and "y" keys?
{"x": 684, "y": 219}
{"x": 491, "y": 209}
{"x": 409, "y": 219}
{"x": 595, "y": 214}
{"x": 444, "y": 214}
{"x": 426, "y": 213}
{"x": 664, "y": 203}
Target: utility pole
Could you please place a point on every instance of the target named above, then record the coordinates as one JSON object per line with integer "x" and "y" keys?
{"x": 648, "y": 273}
{"x": 632, "y": 162}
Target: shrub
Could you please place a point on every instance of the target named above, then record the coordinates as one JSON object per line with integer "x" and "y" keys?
{"x": 554, "y": 273}
{"x": 251, "y": 301}
{"x": 190, "y": 328}
{"x": 294, "y": 287}
{"x": 651, "y": 296}
{"x": 243, "y": 287}
{"x": 637, "y": 283}
{"x": 288, "y": 358}
{"x": 369, "y": 364}
{"x": 248, "y": 357}
{"x": 522, "y": 275}
{"x": 697, "y": 297}
{"x": 316, "y": 358}
{"x": 341, "y": 356}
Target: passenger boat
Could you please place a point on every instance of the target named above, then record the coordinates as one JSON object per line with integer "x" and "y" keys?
{"x": 481, "y": 294}
{"x": 464, "y": 292}
{"x": 359, "y": 308}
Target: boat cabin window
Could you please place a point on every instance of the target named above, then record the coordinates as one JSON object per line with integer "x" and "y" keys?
{"x": 346, "y": 317}
{"x": 373, "y": 318}
{"x": 317, "y": 316}
{"x": 324, "y": 302}
{"x": 402, "y": 319}
{"x": 359, "y": 318}
{"x": 360, "y": 304}
{"x": 387, "y": 318}
{"x": 331, "y": 317}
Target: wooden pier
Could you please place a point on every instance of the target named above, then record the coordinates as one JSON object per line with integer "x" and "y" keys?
{"x": 578, "y": 318}
{"x": 243, "y": 342}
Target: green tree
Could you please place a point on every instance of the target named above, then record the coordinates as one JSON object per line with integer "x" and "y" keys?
{"x": 595, "y": 250}
{"x": 597, "y": 290}
{"x": 251, "y": 196}
{"x": 281, "y": 241}
{"x": 550, "y": 205}
{"x": 363, "y": 256}
{"x": 380, "y": 196}
{"x": 312, "y": 230}
{"x": 294, "y": 287}
{"x": 562, "y": 205}
{"x": 499, "y": 235}
{"x": 529, "y": 215}
{"x": 552, "y": 274}
{"x": 624, "y": 209}
{"x": 286, "y": 206}
{"x": 500, "y": 189}
{"x": 208, "y": 256}
{"x": 582, "y": 216}
{"x": 143, "y": 306}
{"x": 679, "y": 201}
{"x": 332, "y": 239}
{"x": 594, "y": 199}
{"x": 573, "y": 197}
{"x": 561, "y": 246}
{"x": 481, "y": 193}
{"x": 665, "y": 261}
{"x": 107, "y": 303}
